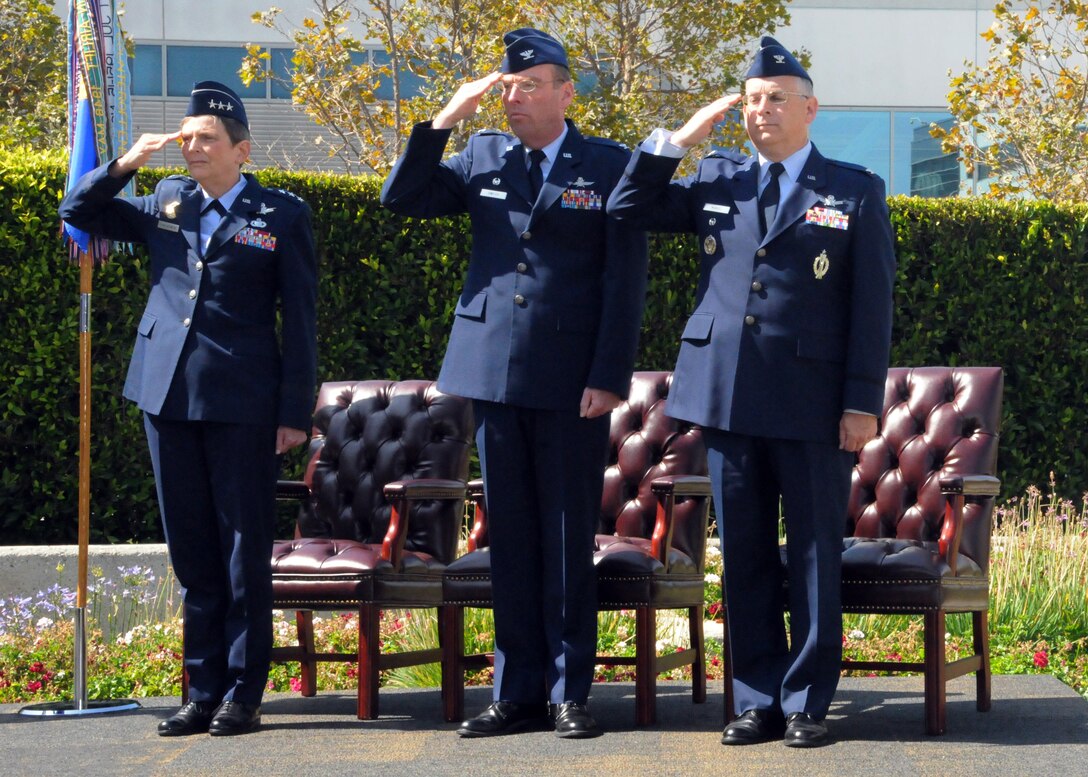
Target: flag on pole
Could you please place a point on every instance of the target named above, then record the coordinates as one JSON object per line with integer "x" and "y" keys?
{"x": 99, "y": 102}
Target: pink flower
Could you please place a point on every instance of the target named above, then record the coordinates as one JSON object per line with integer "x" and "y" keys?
{"x": 34, "y": 686}
{"x": 37, "y": 667}
{"x": 1041, "y": 660}
{"x": 296, "y": 684}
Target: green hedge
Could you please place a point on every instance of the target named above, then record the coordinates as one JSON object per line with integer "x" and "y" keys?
{"x": 979, "y": 283}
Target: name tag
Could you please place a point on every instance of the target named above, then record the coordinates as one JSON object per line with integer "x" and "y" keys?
{"x": 494, "y": 194}
{"x": 168, "y": 226}
{"x": 710, "y": 206}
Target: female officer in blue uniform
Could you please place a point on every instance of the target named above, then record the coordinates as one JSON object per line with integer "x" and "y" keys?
{"x": 543, "y": 341}
{"x": 783, "y": 364}
{"x": 222, "y": 394}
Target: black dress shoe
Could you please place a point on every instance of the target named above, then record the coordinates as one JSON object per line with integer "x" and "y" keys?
{"x": 504, "y": 717}
{"x": 234, "y": 718}
{"x": 573, "y": 721}
{"x": 752, "y": 727}
{"x": 803, "y": 730}
{"x": 193, "y": 718}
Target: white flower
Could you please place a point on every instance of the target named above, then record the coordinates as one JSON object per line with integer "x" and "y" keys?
{"x": 856, "y": 634}
{"x": 43, "y": 623}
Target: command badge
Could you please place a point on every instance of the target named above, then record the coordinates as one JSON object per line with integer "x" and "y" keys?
{"x": 821, "y": 265}
{"x": 710, "y": 245}
{"x": 170, "y": 209}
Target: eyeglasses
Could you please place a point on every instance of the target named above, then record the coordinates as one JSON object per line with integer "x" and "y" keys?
{"x": 524, "y": 85}
{"x": 776, "y": 97}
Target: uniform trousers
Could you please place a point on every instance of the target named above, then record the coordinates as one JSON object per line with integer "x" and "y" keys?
{"x": 543, "y": 477}
{"x": 753, "y": 479}
{"x": 216, "y": 485}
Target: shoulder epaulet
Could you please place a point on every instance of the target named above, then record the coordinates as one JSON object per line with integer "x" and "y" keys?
{"x": 606, "y": 142}
{"x": 726, "y": 153}
{"x": 851, "y": 166}
{"x": 287, "y": 195}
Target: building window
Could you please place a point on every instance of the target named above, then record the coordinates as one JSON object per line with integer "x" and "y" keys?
{"x": 920, "y": 163}
{"x": 185, "y": 65}
{"x": 146, "y": 70}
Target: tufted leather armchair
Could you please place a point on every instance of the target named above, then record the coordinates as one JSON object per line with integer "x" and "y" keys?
{"x": 383, "y": 505}
{"x": 650, "y": 549}
{"x": 917, "y": 532}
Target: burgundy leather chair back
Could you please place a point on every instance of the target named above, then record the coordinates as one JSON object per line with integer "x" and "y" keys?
{"x": 378, "y": 431}
{"x": 937, "y": 421}
{"x": 644, "y": 444}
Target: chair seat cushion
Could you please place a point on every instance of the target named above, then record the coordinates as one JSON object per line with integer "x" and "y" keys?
{"x": 628, "y": 575}
{"x": 325, "y": 573}
{"x": 907, "y": 575}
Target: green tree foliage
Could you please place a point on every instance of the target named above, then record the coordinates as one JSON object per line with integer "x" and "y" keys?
{"x": 979, "y": 282}
{"x": 32, "y": 75}
{"x": 1020, "y": 118}
{"x": 637, "y": 65}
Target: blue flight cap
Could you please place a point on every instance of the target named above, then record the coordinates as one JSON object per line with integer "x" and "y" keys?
{"x": 773, "y": 60}
{"x": 211, "y": 98}
{"x": 527, "y": 47}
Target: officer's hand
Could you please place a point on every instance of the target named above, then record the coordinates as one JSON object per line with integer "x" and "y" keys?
{"x": 702, "y": 122}
{"x": 856, "y": 429}
{"x": 465, "y": 102}
{"x": 287, "y": 438}
{"x": 141, "y": 151}
{"x": 597, "y": 402}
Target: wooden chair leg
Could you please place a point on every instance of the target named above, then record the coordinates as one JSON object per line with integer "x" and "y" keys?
{"x": 369, "y": 655}
{"x": 981, "y": 634}
{"x": 645, "y": 666}
{"x": 935, "y": 672}
{"x": 307, "y": 666}
{"x": 698, "y": 666}
{"x": 451, "y": 634}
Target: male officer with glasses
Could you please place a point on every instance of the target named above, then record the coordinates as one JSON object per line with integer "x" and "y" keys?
{"x": 223, "y": 389}
{"x": 543, "y": 341}
{"x": 783, "y": 364}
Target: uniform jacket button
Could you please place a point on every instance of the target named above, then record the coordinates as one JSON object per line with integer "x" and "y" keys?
{"x": 200, "y": 266}
{"x": 192, "y": 293}
{"x": 761, "y": 252}
{"x": 522, "y": 267}
{"x": 757, "y": 286}
{"x": 519, "y": 299}
{"x": 750, "y": 320}
{"x": 186, "y": 322}
{"x": 526, "y": 235}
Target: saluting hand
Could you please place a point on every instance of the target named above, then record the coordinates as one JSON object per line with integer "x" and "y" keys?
{"x": 465, "y": 102}
{"x": 141, "y": 151}
{"x": 698, "y": 127}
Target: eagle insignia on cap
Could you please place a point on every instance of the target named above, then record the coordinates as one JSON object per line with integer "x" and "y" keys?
{"x": 779, "y": 59}
{"x": 527, "y": 54}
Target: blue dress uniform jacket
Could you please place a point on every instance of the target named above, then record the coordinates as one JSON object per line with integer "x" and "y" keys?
{"x": 789, "y": 330}
{"x": 552, "y": 305}
{"x": 553, "y": 295}
{"x": 206, "y": 347}
{"x": 214, "y": 381}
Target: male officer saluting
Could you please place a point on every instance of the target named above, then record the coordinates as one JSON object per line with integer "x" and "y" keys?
{"x": 783, "y": 364}
{"x": 221, "y": 394}
{"x": 543, "y": 341}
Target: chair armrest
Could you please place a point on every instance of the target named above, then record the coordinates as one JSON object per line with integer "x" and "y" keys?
{"x": 667, "y": 489}
{"x": 477, "y": 535}
{"x": 958, "y": 488}
{"x": 292, "y": 489}
{"x": 401, "y": 494}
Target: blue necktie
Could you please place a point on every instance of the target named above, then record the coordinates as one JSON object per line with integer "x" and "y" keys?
{"x": 768, "y": 201}
{"x": 536, "y": 173}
